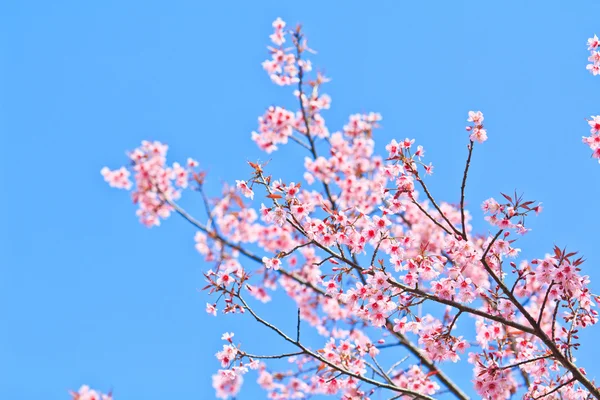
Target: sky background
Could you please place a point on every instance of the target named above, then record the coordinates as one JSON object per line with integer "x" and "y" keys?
{"x": 88, "y": 295}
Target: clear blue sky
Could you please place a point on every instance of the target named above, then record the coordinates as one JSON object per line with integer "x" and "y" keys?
{"x": 87, "y": 295}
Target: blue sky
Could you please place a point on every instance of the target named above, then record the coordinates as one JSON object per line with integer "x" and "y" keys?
{"x": 90, "y": 296}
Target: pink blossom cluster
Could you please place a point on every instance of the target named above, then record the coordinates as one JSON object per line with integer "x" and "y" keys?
{"x": 86, "y": 393}
{"x": 352, "y": 167}
{"x": 594, "y": 58}
{"x": 478, "y": 132}
{"x": 155, "y": 182}
{"x": 275, "y": 127}
{"x": 560, "y": 274}
{"x": 493, "y": 382}
{"x": 362, "y": 124}
{"x": 284, "y": 66}
{"x": 593, "y": 141}
{"x": 415, "y": 379}
{"x": 504, "y": 215}
{"x": 372, "y": 261}
{"x": 228, "y": 381}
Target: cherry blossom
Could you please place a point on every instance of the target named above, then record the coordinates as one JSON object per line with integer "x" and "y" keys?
{"x": 375, "y": 266}
{"x": 594, "y": 58}
{"x": 593, "y": 141}
{"x": 86, "y": 393}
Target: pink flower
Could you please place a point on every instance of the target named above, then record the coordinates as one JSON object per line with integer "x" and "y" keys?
{"x": 393, "y": 148}
{"x": 381, "y": 222}
{"x": 227, "y": 355}
{"x": 593, "y": 68}
{"x": 407, "y": 143}
{"x": 227, "y": 384}
{"x": 428, "y": 169}
{"x": 272, "y": 263}
{"x": 476, "y": 117}
{"x": 331, "y": 286}
{"x": 478, "y": 135}
{"x": 85, "y": 393}
{"x": 227, "y": 336}
{"x": 420, "y": 152}
{"x": 118, "y": 179}
{"x": 594, "y": 123}
{"x": 211, "y": 309}
{"x": 243, "y": 187}
{"x": 279, "y": 24}
{"x": 593, "y": 43}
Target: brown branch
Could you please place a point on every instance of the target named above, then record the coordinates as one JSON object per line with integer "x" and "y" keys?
{"x": 430, "y": 197}
{"x": 207, "y": 207}
{"x": 301, "y": 143}
{"x": 453, "y": 322}
{"x": 556, "y": 388}
{"x": 537, "y": 330}
{"x": 316, "y": 356}
{"x": 526, "y": 361}
{"x": 419, "y": 292}
{"x": 405, "y": 341}
{"x": 435, "y": 221}
{"x": 212, "y": 234}
{"x": 462, "y": 192}
{"x": 452, "y": 387}
{"x": 305, "y": 118}
{"x": 285, "y": 355}
{"x": 463, "y": 308}
{"x": 539, "y": 321}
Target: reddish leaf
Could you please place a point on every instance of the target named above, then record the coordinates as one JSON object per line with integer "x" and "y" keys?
{"x": 507, "y": 197}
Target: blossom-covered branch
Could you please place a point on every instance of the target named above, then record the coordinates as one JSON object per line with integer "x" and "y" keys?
{"x": 368, "y": 254}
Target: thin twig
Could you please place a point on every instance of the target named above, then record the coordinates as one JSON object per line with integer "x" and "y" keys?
{"x": 538, "y": 331}
{"x": 327, "y": 362}
{"x": 285, "y": 355}
{"x": 539, "y": 321}
{"x": 462, "y": 192}
{"x": 298, "y": 327}
{"x": 526, "y": 361}
{"x": 405, "y": 341}
{"x": 556, "y": 388}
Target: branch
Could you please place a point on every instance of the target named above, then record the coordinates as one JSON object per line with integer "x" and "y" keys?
{"x": 298, "y": 327}
{"x": 212, "y": 234}
{"x": 285, "y": 355}
{"x": 556, "y": 388}
{"x": 452, "y": 387}
{"x": 537, "y": 330}
{"x": 305, "y": 118}
{"x": 430, "y": 197}
{"x": 463, "y": 308}
{"x": 462, "y": 192}
{"x": 435, "y": 221}
{"x": 389, "y": 325}
{"x": 526, "y": 361}
{"x": 539, "y": 321}
{"x": 316, "y": 356}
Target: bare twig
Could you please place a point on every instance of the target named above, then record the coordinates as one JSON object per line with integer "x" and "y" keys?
{"x": 462, "y": 192}
{"x": 284, "y": 355}
{"x": 298, "y": 327}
